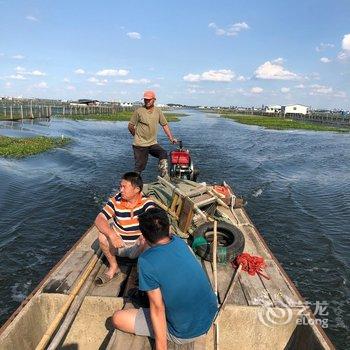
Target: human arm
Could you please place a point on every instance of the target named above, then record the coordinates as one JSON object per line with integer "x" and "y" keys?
{"x": 132, "y": 123}
{"x": 164, "y": 123}
{"x": 168, "y": 133}
{"x": 157, "y": 310}
{"x": 103, "y": 226}
{"x": 131, "y": 128}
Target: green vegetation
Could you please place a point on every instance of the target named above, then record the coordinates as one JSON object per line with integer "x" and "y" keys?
{"x": 174, "y": 117}
{"x": 22, "y": 147}
{"x": 281, "y": 123}
{"x": 118, "y": 117}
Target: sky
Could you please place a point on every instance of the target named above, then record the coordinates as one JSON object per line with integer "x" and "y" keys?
{"x": 227, "y": 53}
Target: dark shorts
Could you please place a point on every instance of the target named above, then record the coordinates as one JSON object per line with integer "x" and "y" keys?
{"x": 143, "y": 326}
{"x": 141, "y": 155}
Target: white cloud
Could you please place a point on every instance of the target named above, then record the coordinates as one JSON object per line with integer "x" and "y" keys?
{"x": 256, "y": 90}
{"x": 275, "y": 71}
{"x": 134, "y": 81}
{"x": 134, "y": 35}
{"x": 343, "y": 55}
{"x": 37, "y": 73}
{"x": 300, "y": 86}
{"x": 71, "y": 88}
{"x": 113, "y": 72}
{"x": 325, "y": 60}
{"x": 232, "y": 30}
{"x": 285, "y": 90}
{"x": 17, "y": 77}
{"x": 41, "y": 85}
{"x": 32, "y": 18}
{"x": 346, "y": 42}
{"x": 192, "y": 77}
{"x": 96, "y": 81}
{"x": 313, "y": 76}
{"x": 317, "y": 89}
{"x": 278, "y": 60}
{"x": 191, "y": 91}
{"x": 341, "y": 94}
{"x": 79, "y": 71}
{"x": 18, "y": 57}
{"x": 221, "y": 75}
{"x": 66, "y": 80}
{"x": 8, "y": 84}
{"x": 324, "y": 46}
{"x": 92, "y": 80}
{"x": 242, "y": 78}
{"x": 19, "y": 69}
{"x": 23, "y": 71}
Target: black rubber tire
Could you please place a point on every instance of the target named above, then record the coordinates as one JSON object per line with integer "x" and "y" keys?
{"x": 229, "y": 236}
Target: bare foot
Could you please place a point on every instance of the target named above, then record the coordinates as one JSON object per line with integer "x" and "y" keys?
{"x": 112, "y": 271}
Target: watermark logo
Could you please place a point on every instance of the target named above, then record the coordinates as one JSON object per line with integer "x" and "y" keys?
{"x": 271, "y": 316}
{"x": 320, "y": 313}
{"x": 283, "y": 314}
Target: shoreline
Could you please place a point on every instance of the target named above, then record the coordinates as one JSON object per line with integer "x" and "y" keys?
{"x": 276, "y": 123}
{"x": 118, "y": 117}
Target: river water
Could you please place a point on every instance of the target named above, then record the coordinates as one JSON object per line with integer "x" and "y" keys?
{"x": 296, "y": 185}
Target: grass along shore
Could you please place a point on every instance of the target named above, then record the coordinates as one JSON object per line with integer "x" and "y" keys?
{"x": 118, "y": 117}
{"x": 13, "y": 147}
{"x": 281, "y": 123}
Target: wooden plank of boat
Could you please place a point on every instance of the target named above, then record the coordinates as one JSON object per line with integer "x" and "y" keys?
{"x": 237, "y": 296}
{"x": 276, "y": 288}
{"x": 63, "y": 280}
{"x": 121, "y": 340}
{"x": 112, "y": 288}
{"x": 279, "y": 291}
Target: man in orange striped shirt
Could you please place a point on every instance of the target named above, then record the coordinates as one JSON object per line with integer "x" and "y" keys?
{"x": 123, "y": 237}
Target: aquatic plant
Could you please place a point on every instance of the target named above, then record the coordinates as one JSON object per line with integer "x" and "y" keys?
{"x": 22, "y": 147}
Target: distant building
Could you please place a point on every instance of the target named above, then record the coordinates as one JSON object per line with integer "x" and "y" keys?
{"x": 273, "y": 109}
{"x": 295, "y": 109}
{"x": 126, "y": 104}
{"x": 85, "y": 102}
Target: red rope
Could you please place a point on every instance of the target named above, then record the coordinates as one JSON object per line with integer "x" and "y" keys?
{"x": 251, "y": 264}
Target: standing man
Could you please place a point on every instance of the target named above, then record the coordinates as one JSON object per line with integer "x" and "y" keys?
{"x": 182, "y": 302}
{"x": 143, "y": 126}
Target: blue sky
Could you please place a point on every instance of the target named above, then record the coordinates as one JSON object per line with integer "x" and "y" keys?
{"x": 245, "y": 53}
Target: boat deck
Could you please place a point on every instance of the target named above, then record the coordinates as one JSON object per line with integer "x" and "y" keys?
{"x": 240, "y": 324}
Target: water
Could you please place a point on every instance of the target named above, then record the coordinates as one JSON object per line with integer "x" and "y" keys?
{"x": 295, "y": 183}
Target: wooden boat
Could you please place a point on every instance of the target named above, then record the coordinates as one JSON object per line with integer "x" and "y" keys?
{"x": 255, "y": 312}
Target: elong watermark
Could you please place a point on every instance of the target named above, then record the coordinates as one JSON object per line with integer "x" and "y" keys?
{"x": 284, "y": 314}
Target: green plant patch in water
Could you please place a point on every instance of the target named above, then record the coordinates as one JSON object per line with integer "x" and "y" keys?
{"x": 281, "y": 123}
{"x": 13, "y": 147}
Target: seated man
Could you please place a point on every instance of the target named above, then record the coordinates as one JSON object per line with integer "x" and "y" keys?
{"x": 123, "y": 237}
{"x": 182, "y": 302}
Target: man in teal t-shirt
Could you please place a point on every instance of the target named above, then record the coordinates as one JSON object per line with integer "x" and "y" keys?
{"x": 182, "y": 302}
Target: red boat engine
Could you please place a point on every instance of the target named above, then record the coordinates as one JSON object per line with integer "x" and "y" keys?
{"x": 181, "y": 165}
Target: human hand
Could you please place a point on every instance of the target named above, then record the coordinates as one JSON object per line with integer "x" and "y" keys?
{"x": 173, "y": 141}
{"x": 116, "y": 241}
